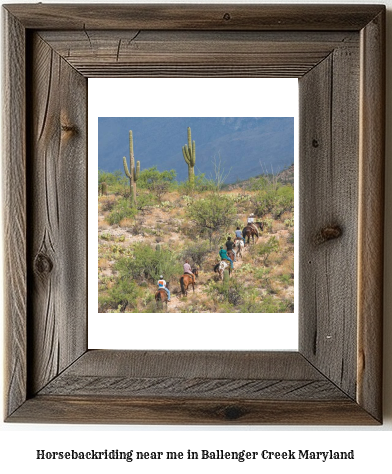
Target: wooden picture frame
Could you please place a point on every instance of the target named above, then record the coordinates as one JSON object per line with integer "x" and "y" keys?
{"x": 337, "y": 52}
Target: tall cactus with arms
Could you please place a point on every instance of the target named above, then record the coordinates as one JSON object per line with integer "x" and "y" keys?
{"x": 133, "y": 175}
{"x": 189, "y": 152}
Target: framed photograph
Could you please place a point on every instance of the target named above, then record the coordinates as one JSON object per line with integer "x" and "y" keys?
{"x": 243, "y": 171}
{"x": 337, "y": 53}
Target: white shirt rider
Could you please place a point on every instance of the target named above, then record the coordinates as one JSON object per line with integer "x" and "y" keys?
{"x": 162, "y": 284}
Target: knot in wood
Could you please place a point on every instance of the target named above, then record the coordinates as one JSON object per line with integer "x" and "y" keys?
{"x": 315, "y": 143}
{"x": 232, "y": 413}
{"x": 69, "y": 129}
{"x": 328, "y": 233}
{"x": 43, "y": 264}
{"x": 227, "y": 16}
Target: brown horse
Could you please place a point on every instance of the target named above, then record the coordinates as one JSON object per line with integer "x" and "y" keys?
{"x": 187, "y": 280}
{"x": 162, "y": 297}
{"x": 231, "y": 255}
{"x": 251, "y": 230}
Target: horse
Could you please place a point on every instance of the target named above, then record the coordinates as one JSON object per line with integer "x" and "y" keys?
{"x": 187, "y": 280}
{"x": 251, "y": 230}
{"x": 260, "y": 225}
{"x": 221, "y": 267}
{"x": 239, "y": 245}
{"x": 231, "y": 255}
{"x": 161, "y": 296}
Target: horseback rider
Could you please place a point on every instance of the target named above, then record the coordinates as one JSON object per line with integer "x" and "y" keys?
{"x": 238, "y": 235}
{"x": 162, "y": 285}
{"x": 230, "y": 245}
{"x": 251, "y": 223}
{"x": 188, "y": 270}
{"x": 223, "y": 255}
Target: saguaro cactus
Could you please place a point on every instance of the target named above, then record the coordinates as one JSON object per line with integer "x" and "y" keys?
{"x": 189, "y": 152}
{"x": 134, "y": 172}
{"x": 104, "y": 189}
{"x": 226, "y": 279}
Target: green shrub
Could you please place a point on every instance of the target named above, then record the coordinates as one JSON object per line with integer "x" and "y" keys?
{"x": 106, "y": 236}
{"x": 274, "y": 200}
{"x": 233, "y": 294}
{"x": 120, "y": 211}
{"x": 144, "y": 201}
{"x": 149, "y": 263}
{"x": 196, "y": 253}
{"x": 268, "y": 223}
{"x": 273, "y": 305}
{"x": 124, "y": 293}
{"x": 264, "y": 250}
{"x": 251, "y": 302}
{"x": 116, "y": 181}
{"x": 262, "y": 273}
{"x": 200, "y": 184}
{"x": 212, "y": 214}
{"x": 245, "y": 268}
{"x": 157, "y": 182}
{"x": 286, "y": 279}
{"x": 289, "y": 222}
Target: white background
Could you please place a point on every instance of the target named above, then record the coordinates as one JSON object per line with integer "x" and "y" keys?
{"x": 18, "y": 443}
{"x": 166, "y": 98}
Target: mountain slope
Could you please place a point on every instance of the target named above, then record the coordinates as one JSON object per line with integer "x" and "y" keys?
{"x": 244, "y": 146}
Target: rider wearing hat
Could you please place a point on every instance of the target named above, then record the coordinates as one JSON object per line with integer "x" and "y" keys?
{"x": 223, "y": 255}
{"x": 162, "y": 285}
{"x": 251, "y": 218}
{"x": 251, "y": 223}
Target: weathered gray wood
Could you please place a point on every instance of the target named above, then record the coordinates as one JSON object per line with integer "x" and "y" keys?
{"x": 328, "y": 212}
{"x": 197, "y": 53}
{"x": 118, "y": 43}
{"x": 323, "y": 384}
{"x": 371, "y": 216}
{"x": 57, "y": 215}
{"x": 14, "y": 212}
{"x": 208, "y": 364}
{"x": 179, "y": 374}
{"x": 195, "y": 17}
{"x": 101, "y": 409}
{"x": 204, "y": 388}
{"x": 191, "y": 71}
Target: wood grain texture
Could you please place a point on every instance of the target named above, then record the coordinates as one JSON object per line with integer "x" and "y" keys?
{"x": 14, "y": 212}
{"x": 207, "y": 364}
{"x": 371, "y": 216}
{"x": 121, "y": 410}
{"x": 201, "y": 387}
{"x": 57, "y": 215}
{"x": 206, "y": 374}
{"x": 195, "y": 17}
{"x": 336, "y": 376}
{"x": 329, "y": 137}
{"x": 192, "y": 388}
{"x": 196, "y": 53}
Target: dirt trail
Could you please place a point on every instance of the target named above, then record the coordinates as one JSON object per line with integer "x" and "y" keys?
{"x": 179, "y": 303}
{"x": 169, "y": 228}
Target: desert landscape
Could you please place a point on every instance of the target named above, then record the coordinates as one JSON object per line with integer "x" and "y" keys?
{"x": 150, "y": 230}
